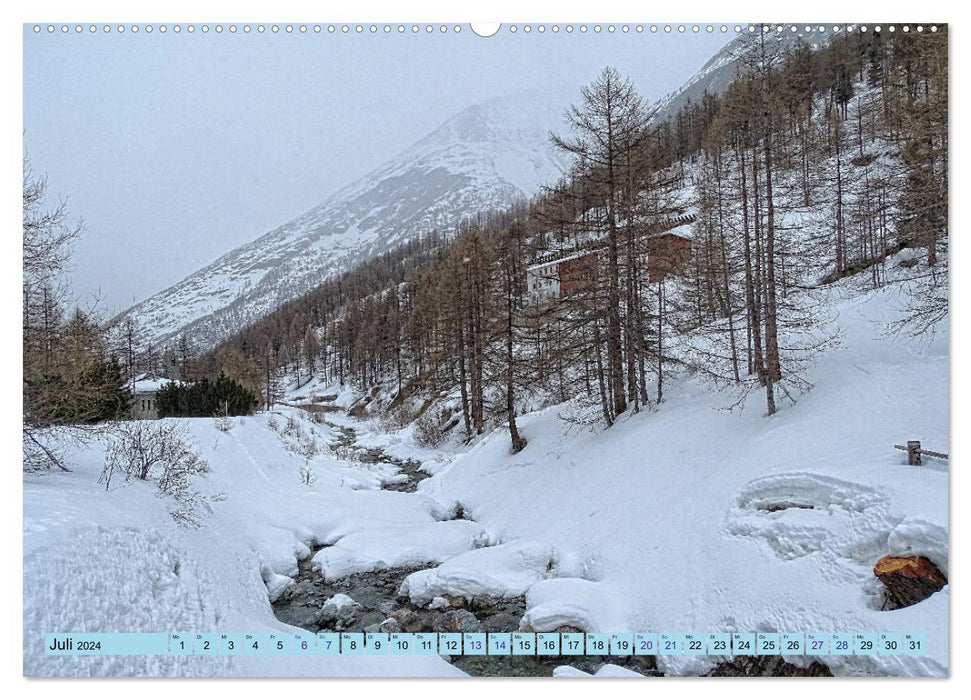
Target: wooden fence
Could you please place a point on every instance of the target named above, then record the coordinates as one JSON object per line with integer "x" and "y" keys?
{"x": 915, "y": 452}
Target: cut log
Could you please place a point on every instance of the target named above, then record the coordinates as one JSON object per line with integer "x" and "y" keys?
{"x": 908, "y": 580}
{"x": 786, "y": 505}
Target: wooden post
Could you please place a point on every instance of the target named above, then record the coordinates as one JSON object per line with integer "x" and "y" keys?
{"x": 913, "y": 453}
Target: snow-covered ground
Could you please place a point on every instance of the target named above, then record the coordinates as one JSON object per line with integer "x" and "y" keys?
{"x": 97, "y": 560}
{"x": 659, "y": 524}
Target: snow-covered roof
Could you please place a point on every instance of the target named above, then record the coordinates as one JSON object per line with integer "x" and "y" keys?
{"x": 682, "y": 231}
{"x": 555, "y": 261}
{"x": 149, "y": 383}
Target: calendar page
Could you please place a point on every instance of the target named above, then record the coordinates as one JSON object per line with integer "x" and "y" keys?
{"x": 537, "y": 349}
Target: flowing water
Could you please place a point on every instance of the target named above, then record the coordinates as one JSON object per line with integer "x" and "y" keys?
{"x": 377, "y": 607}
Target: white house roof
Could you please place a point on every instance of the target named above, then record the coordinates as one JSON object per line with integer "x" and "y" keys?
{"x": 555, "y": 261}
{"x": 682, "y": 231}
{"x": 146, "y": 383}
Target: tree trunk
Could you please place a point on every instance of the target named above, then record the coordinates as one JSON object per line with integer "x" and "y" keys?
{"x": 516, "y": 440}
{"x": 757, "y": 277}
{"x": 660, "y": 342}
{"x": 604, "y": 402}
{"x": 771, "y": 308}
{"x": 908, "y": 580}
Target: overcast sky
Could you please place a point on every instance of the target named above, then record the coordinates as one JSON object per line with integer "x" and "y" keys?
{"x": 175, "y": 149}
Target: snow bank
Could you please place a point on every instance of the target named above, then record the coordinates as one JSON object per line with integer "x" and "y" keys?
{"x": 797, "y": 514}
{"x": 276, "y": 585}
{"x": 918, "y": 537}
{"x": 589, "y": 606}
{"x": 386, "y": 548}
{"x": 503, "y": 571}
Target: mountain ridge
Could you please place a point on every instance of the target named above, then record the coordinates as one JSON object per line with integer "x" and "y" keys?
{"x": 483, "y": 158}
{"x": 480, "y": 159}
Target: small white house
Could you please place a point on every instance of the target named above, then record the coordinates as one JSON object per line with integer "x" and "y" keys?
{"x": 542, "y": 280}
{"x": 145, "y": 388}
{"x": 558, "y": 276}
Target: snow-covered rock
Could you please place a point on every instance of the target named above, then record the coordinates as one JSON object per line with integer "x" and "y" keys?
{"x": 503, "y": 571}
{"x": 276, "y": 585}
{"x": 589, "y": 606}
{"x": 373, "y": 549}
{"x": 337, "y": 603}
{"x": 605, "y": 671}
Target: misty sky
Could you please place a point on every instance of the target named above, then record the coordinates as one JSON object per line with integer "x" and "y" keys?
{"x": 175, "y": 149}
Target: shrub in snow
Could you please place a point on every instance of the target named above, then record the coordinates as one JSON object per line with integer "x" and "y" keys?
{"x": 272, "y": 423}
{"x": 162, "y": 453}
{"x": 298, "y": 440}
{"x": 307, "y": 475}
{"x": 291, "y": 428}
{"x": 47, "y": 448}
{"x": 223, "y": 423}
{"x": 308, "y": 447}
{"x": 346, "y": 453}
{"x": 428, "y": 429}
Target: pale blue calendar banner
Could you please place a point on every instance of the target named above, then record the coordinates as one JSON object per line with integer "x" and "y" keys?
{"x": 600, "y": 644}
{"x": 106, "y": 643}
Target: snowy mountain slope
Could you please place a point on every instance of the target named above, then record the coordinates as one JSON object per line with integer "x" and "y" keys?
{"x": 481, "y": 159}
{"x": 725, "y": 65}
